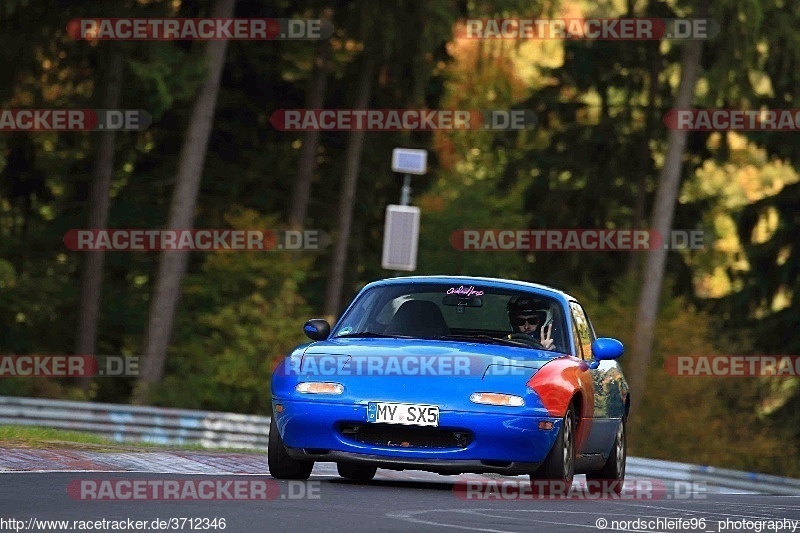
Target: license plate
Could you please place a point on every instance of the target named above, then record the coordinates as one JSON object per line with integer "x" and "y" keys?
{"x": 409, "y": 414}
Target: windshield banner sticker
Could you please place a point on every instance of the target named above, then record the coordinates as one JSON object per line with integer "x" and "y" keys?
{"x": 468, "y": 291}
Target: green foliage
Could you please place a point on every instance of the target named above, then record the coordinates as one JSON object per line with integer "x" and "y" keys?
{"x": 168, "y": 74}
{"x": 698, "y": 419}
{"x": 8, "y": 277}
{"x": 592, "y": 162}
{"x": 240, "y": 313}
{"x": 467, "y": 200}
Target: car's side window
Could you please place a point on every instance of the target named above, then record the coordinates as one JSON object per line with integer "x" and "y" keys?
{"x": 583, "y": 333}
{"x": 357, "y": 318}
{"x": 578, "y": 349}
{"x": 592, "y": 334}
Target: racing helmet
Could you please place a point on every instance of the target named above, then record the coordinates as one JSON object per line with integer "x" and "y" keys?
{"x": 526, "y": 305}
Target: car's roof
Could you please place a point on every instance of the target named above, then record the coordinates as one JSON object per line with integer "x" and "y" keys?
{"x": 507, "y": 283}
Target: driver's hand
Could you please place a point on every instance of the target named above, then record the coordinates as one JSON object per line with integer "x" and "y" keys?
{"x": 544, "y": 337}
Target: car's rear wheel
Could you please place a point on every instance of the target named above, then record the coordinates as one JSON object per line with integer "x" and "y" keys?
{"x": 612, "y": 475}
{"x": 559, "y": 465}
{"x": 281, "y": 466}
{"x": 356, "y": 472}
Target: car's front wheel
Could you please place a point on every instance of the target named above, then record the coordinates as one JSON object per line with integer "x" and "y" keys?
{"x": 559, "y": 465}
{"x": 281, "y": 466}
{"x": 356, "y": 472}
{"x": 612, "y": 475}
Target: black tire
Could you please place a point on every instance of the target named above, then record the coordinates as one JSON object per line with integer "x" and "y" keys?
{"x": 612, "y": 475}
{"x": 356, "y": 472}
{"x": 281, "y": 466}
{"x": 559, "y": 465}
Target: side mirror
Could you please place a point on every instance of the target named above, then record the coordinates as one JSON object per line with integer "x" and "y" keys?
{"x": 605, "y": 349}
{"x": 317, "y": 329}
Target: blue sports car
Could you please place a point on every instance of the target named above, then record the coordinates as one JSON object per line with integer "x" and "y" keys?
{"x": 453, "y": 375}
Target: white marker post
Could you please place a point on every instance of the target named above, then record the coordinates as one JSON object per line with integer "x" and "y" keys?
{"x": 401, "y": 229}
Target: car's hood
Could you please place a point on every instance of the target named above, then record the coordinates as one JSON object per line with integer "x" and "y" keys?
{"x": 442, "y": 373}
{"x": 404, "y": 356}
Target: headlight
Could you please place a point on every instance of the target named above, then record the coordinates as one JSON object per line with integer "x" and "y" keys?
{"x": 319, "y": 387}
{"x": 496, "y": 398}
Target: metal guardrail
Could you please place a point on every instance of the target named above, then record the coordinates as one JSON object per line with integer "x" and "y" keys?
{"x": 127, "y": 423}
{"x": 713, "y": 476}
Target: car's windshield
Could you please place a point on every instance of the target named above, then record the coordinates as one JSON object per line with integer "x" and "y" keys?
{"x": 456, "y": 312}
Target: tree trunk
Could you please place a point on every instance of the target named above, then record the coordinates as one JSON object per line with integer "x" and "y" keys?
{"x": 92, "y": 277}
{"x": 298, "y": 206}
{"x": 172, "y": 265}
{"x": 643, "y": 164}
{"x": 663, "y": 211}
{"x": 355, "y": 145}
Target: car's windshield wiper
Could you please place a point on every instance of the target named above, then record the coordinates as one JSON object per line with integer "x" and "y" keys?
{"x": 370, "y": 335}
{"x": 484, "y": 338}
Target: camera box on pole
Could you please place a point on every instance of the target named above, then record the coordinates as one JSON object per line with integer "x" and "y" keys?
{"x": 400, "y": 237}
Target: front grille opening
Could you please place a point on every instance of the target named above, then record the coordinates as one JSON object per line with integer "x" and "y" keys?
{"x": 497, "y": 464}
{"x": 316, "y": 451}
{"x": 406, "y": 436}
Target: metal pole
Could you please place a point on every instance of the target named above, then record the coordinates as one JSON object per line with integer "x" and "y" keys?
{"x": 405, "y": 192}
{"x": 405, "y": 196}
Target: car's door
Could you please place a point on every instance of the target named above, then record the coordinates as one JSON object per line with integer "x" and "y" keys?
{"x": 608, "y": 404}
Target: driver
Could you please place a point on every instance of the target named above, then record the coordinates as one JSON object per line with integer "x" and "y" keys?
{"x": 527, "y": 316}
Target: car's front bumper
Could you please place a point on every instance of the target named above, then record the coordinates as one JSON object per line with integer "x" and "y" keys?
{"x": 500, "y": 442}
{"x": 439, "y": 466}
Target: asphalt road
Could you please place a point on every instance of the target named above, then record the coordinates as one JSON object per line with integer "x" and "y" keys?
{"x": 394, "y": 501}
